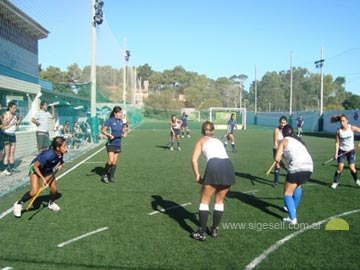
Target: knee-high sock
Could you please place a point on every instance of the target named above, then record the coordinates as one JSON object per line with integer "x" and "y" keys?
{"x": 354, "y": 175}
{"x": 25, "y": 198}
{"x": 112, "y": 171}
{"x": 52, "y": 197}
{"x": 276, "y": 175}
{"x": 218, "y": 212}
{"x": 297, "y": 196}
{"x": 290, "y": 205}
{"x": 107, "y": 168}
{"x": 337, "y": 177}
{"x": 203, "y": 216}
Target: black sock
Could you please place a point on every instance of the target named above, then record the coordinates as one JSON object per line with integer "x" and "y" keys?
{"x": 276, "y": 175}
{"x": 216, "y": 218}
{"x": 112, "y": 171}
{"x": 106, "y": 169}
{"x": 354, "y": 175}
{"x": 203, "y": 216}
{"x": 53, "y": 197}
{"x": 25, "y": 198}
{"x": 337, "y": 177}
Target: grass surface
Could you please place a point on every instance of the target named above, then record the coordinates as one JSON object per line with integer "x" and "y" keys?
{"x": 149, "y": 178}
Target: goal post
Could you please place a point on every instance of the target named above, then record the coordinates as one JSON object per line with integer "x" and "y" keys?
{"x": 221, "y": 115}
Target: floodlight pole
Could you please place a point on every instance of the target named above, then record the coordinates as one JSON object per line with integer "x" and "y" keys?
{"x": 291, "y": 85}
{"x": 93, "y": 62}
{"x": 320, "y": 64}
{"x": 255, "y": 93}
{"x": 124, "y": 75}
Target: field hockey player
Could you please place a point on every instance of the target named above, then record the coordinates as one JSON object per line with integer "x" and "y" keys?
{"x": 343, "y": 143}
{"x": 231, "y": 126}
{"x": 277, "y": 137}
{"x": 42, "y": 168}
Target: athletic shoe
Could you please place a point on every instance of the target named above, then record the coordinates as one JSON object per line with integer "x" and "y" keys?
{"x": 182, "y": 136}
{"x": 290, "y": 221}
{"x": 285, "y": 209}
{"x": 334, "y": 185}
{"x": 179, "y": 149}
{"x": 54, "y": 207}
{"x": 358, "y": 182}
{"x": 171, "y": 148}
{"x": 214, "y": 232}
{"x": 105, "y": 179}
{"x": 17, "y": 209}
{"x": 112, "y": 180}
{"x": 6, "y": 172}
{"x": 188, "y": 136}
{"x": 198, "y": 236}
{"x": 13, "y": 170}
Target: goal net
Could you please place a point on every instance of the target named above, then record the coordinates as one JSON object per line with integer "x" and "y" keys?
{"x": 220, "y": 117}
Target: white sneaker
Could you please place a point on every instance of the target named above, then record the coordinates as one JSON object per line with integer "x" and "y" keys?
{"x": 188, "y": 136}
{"x": 179, "y": 149}
{"x": 290, "y": 221}
{"x": 358, "y": 182}
{"x": 17, "y": 209}
{"x": 171, "y": 148}
{"x": 6, "y": 172}
{"x": 285, "y": 209}
{"x": 334, "y": 185}
{"x": 182, "y": 136}
{"x": 54, "y": 207}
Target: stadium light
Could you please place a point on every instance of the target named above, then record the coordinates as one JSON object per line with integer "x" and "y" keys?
{"x": 127, "y": 55}
{"x": 98, "y": 17}
{"x": 320, "y": 64}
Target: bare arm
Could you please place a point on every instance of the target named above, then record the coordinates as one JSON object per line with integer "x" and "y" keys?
{"x": 280, "y": 150}
{"x": 195, "y": 158}
{"x": 337, "y": 143}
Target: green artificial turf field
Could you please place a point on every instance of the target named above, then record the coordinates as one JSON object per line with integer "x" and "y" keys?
{"x": 144, "y": 220}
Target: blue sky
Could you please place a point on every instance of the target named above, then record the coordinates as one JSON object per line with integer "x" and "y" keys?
{"x": 214, "y": 38}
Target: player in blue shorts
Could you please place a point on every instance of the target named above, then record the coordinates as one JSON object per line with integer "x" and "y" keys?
{"x": 175, "y": 125}
{"x": 344, "y": 143}
{"x": 43, "y": 168}
{"x": 114, "y": 129}
{"x": 231, "y": 126}
{"x": 184, "y": 125}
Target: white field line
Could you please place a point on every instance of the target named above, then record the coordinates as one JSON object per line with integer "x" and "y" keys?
{"x": 164, "y": 210}
{"x": 279, "y": 243}
{"x": 250, "y": 191}
{"x": 81, "y": 237}
{"x": 5, "y": 213}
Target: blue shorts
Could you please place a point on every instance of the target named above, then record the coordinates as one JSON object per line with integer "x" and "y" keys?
{"x": 351, "y": 157}
{"x": 113, "y": 148}
{"x": 176, "y": 131}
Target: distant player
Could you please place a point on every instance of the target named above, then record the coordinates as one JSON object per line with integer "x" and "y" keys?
{"x": 175, "y": 125}
{"x": 300, "y": 123}
{"x": 231, "y": 126}
{"x": 277, "y": 137}
{"x": 42, "y": 168}
{"x": 344, "y": 142}
{"x": 184, "y": 125}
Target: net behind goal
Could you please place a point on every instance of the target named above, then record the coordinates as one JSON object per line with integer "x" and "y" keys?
{"x": 220, "y": 117}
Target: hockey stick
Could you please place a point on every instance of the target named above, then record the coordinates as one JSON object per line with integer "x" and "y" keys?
{"x": 270, "y": 169}
{"x": 343, "y": 154}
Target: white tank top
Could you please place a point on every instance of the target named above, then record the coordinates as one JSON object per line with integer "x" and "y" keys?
{"x": 346, "y": 138}
{"x": 297, "y": 156}
{"x": 11, "y": 130}
{"x": 279, "y": 136}
{"x": 214, "y": 148}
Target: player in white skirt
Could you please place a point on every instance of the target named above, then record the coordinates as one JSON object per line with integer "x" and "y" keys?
{"x": 218, "y": 177}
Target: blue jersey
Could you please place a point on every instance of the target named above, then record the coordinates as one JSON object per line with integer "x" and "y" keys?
{"x": 232, "y": 125}
{"x": 48, "y": 160}
{"x": 183, "y": 118}
{"x": 116, "y": 127}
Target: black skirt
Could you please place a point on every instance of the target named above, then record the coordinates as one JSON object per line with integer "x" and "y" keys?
{"x": 219, "y": 172}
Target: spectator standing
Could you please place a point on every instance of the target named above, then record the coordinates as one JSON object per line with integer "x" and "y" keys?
{"x": 41, "y": 120}
{"x": 10, "y": 122}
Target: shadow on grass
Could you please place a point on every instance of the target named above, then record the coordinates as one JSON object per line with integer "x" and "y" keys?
{"x": 97, "y": 170}
{"x": 253, "y": 179}
{"x": 40, "y": 203}
{"x": 163, "y": 146}
{"x": 174, "y": 211}
{"x": 255, "y": 202}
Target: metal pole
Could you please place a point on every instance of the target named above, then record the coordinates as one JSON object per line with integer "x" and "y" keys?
{"x": 322, "y": 81}
{"x": 93, "y": 62}
{"x": 124, "y": 76}
{"x": 291, "y": 84}
{"x": 255, "y": 92}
